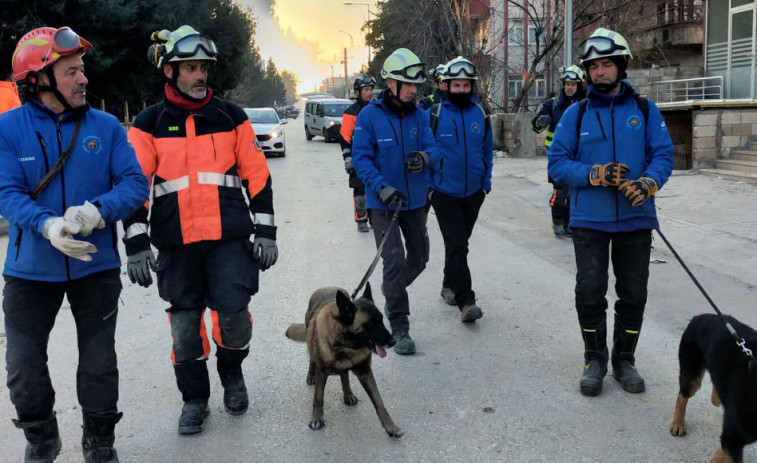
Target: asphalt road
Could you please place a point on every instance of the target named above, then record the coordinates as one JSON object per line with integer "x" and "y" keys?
{"x": 504, "y": 389}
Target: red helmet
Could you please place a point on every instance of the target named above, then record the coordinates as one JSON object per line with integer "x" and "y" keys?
{"x": 42, "y": 47}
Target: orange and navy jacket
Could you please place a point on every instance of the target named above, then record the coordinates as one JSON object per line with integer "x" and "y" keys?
{"x": 348, "y": 126}
{"x": 197, "y": 162}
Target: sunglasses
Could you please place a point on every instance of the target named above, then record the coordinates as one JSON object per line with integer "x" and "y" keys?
{"x": 458, "y": 69}
{"x": 412, "y": 72}
{"x": 188, "y": 46}
{"x": 600, "y": 45}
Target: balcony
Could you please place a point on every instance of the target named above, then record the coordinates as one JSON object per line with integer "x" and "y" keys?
{"x": 673, "y": 25}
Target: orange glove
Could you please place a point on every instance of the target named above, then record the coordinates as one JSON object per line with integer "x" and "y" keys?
{"x": 610, "y": 174}
{"x": 639, "y": 190}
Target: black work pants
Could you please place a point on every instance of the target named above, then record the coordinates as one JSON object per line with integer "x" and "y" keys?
{"x": 456, "y": 217}
{"x": 220, "y": 275}
{"x": 629, "y": 252}
{"x": 30, "y": 309}
{"x": 560, "y": 204}
{"x": 400, "y": 270}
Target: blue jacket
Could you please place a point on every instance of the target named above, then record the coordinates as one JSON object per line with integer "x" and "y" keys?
{"x": 466, "y": 147}
{"x": 380, "y": 143}
{"x": 102, "y": 169}
{"x": 613, "y": 129}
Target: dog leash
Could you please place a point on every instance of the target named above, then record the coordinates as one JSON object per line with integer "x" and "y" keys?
{"x": 739, "y": 340}
{"x": 387, "y": 229}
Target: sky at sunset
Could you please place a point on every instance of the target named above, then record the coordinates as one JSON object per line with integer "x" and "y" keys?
{"x": 303, "y": 36}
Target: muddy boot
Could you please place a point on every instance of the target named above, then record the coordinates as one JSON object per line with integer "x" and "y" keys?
{"x": 98, "y": 437}
{"x": 193, "y": 416}
{"x": 43, "y": 440}
{"x": 235, "y": 399}
{"x": 558, "y": 228}
{"x": 624, "y": 362}
{"x": 470, "y": 313}
{"x": 405, "y": 344}
{"x": 362, "y": 227}
{"x": 595, "y": 360}
{"x": 448, "y": 296}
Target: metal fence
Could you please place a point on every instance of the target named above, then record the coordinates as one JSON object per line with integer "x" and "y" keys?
{"x": 699, "y": 88}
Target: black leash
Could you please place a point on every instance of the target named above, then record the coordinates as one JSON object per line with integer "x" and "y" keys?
{"x": 387, "y": 229}
{"x": 739, "y": 340}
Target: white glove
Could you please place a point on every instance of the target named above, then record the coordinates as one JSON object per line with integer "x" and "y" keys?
{"x": 60, "y": 233}
{"x": 87, "y": 216}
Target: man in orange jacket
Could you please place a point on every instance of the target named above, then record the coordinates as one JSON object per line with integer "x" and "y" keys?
{"x": 199, "y": 152}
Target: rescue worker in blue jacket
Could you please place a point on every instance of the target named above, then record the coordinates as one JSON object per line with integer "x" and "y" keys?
{"x": 547, "y": 118}
{"x": 441, "y": 89}
{"x": 62, "y": 238}
{"x": 461, "y": 180}
{"x": 392, "y": 146}
{"x": 614, "y": 158}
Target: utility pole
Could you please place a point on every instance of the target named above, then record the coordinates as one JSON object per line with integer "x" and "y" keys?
{"x": 568, "y": 39}
{"x": 346, "y": 81}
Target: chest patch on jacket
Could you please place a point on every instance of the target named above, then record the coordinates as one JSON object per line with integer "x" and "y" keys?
{"x": 633, "y": 122}
{"x": 92, "y": 144}
{"x": 414, "y": 132}
{"x": 475, "y": 127}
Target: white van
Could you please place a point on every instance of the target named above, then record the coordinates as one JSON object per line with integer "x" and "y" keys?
{"x": 323, "y": 117}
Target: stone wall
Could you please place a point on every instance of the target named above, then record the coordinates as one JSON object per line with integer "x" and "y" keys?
{"x": 717, "y": 132}
{"x": 513, "y": 134}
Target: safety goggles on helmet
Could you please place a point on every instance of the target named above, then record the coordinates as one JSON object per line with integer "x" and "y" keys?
{"x": 66, "y": 41}
{"x": 460, "y": 70}
{"x": 190, "y": 45}
{"x": 364, "y": 81}
{"x": 412, "y": 72}
{"x": 602, "y": 46}
{"x": 570, "y": 75}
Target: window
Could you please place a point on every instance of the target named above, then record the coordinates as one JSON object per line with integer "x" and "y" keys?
{"x": 537, "y": 90}
{"x": 516, "y": 31}
{"x": 532, "y": 36}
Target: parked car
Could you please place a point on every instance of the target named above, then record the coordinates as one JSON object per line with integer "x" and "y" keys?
{"x": 269, "y": 130}
{"x": 291, "y": 112}
{"x": 324, "y": 117}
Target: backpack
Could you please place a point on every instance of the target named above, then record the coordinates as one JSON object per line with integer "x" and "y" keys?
{"x": 436, "y": 111}
{"x": 641, "y": 102}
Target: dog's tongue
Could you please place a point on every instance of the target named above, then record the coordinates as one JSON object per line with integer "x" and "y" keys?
{"x": 380, "y": 351}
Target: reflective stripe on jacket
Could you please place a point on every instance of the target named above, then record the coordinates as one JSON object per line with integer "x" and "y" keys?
{"x": 197, "y": 162}
{"x": 349, "y": 117}
{"x": 101, "y": 169}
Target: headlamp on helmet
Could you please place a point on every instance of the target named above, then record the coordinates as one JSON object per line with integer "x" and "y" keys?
{"x": 183, "y": 44}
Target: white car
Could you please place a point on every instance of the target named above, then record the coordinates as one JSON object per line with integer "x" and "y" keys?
{"x": 269, "y": 129}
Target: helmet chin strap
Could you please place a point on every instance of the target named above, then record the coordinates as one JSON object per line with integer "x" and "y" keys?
{"x": 53, "y": 88}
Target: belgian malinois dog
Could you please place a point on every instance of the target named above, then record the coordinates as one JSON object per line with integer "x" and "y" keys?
{"x": 341, "y": 336}
{"x": 706, "y": 345}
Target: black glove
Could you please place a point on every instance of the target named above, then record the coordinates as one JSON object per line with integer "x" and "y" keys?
{"x": 264, "y": 249}
{"x": 348, "y": 165}
{"x": 542, "y": 122}
{"x": 610, "y": 174}
{"x": 416, "y": 161}
{"x": 138, "y": 267}
{"x": 391, "y": 197}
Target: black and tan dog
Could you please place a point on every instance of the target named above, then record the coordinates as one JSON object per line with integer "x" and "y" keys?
{"x": 707, "y": 344}
{"x": 341, "y": 336}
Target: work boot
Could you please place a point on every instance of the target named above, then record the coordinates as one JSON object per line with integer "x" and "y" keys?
{"x": 235, "y": 399}
{"x": 98, "y": 437}
{"x": 628, "y": 377}
{"x": 623, "y": 360}
{"x": 193, "y": 416}
{"x": 405, "y": 344}
{"x": 567, "y": 230}
{"x": 448, "y": 296}
{"x": 558, "y": 227}
{"x": 594, "y": 373}
{"x": 43, "y": 439}
{"x": 471, "y": 313}
{"x": 362, "y": 227}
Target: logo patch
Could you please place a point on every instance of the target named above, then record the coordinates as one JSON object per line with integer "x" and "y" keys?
{"x": 475, "y": 127}
{"x": 414, "y": 132}
{"x": 633, "y": 122}
{"x": 92, "y": 144}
